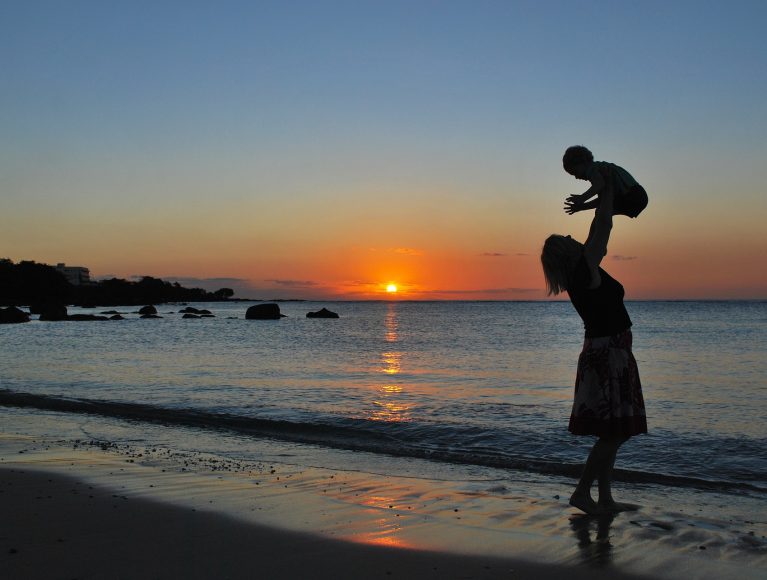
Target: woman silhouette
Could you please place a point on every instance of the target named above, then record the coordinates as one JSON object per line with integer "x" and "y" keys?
{"x": 608, "y": 395}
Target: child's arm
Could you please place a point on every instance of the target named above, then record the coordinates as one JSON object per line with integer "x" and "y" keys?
{"x": 572, "y": 206}
{"x": 578, "y": 202}
{"x": 597, "y": 185}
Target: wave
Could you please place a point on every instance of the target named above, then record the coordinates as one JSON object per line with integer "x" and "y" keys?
{"x": 359, "y": 435}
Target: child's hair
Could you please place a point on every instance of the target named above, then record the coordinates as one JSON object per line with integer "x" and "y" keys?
{"x": 576, "y": 155}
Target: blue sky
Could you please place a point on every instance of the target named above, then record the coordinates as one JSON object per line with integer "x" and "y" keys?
{"x": 115, "y": 113}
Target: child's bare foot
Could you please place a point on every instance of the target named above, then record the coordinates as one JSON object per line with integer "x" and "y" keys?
{"x": 586, "y": 504}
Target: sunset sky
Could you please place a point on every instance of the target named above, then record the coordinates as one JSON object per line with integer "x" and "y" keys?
{"x": 326, "y": 149}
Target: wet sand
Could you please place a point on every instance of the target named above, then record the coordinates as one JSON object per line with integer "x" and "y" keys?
{"x": 87, "y": 511}
{"x": 54, "y": 526}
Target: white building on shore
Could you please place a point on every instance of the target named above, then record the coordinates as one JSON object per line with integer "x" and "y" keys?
{"x": 75, "y": 275}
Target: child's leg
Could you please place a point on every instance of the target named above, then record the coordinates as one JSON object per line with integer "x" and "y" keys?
{"x": 630, "y": 203}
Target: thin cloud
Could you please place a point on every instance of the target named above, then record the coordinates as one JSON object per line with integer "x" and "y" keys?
{"x": 511, "y": 290}
{"x": 407, "y": 251}
{"x": 621, "y": 258}
{"x": 192, "y": 280}
{"x": 492, "y": 254}
{"x": 292, "y": 283}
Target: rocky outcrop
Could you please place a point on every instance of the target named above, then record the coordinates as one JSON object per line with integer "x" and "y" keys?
{"x": 264, "y": 312}
{"x": 324, "y": 313}
{"x": 13, "y": 315}
{"x": 150, "y": 316}
{"x": 148, "y": 310}
{"x": 190, "y": 315}
{"x": 117, "y": 317}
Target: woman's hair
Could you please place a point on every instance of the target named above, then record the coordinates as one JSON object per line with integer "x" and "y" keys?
{"x": 558, "y": 258}
{"x": 576, "y": 155}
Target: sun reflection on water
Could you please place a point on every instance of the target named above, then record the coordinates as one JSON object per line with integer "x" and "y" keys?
{"x": 388, "y": 407}
{"x": 382, "y": 539}
{"x": 391, "y": 362}
{"x": 388, "y": 522}
{"x": 389, "y": 404}
{"x": 391, "y": 323}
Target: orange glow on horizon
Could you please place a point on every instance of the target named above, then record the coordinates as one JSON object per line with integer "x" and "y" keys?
{"x": 436, "y": 268}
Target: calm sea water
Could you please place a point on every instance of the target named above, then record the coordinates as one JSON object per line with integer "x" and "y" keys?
{"x": 483, "y": 383}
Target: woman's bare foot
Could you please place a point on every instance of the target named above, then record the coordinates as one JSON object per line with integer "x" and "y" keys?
{"x": 586, "y": 504}
{"x": 613, "y": 506}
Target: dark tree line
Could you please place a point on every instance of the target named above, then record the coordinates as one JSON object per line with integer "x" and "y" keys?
{"x": 30, "y": 283}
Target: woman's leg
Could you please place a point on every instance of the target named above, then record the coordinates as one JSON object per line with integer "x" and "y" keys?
{"x": 604, "y": 477}
{"x": 599, "y": 466}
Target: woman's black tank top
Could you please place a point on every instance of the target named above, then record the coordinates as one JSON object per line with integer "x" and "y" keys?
{"x": 601, "y": 308}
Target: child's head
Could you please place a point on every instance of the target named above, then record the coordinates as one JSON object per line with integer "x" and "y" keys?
{"x": 576, "y": 159}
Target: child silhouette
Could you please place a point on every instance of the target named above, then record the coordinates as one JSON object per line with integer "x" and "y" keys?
{"x": 629, "y": 198}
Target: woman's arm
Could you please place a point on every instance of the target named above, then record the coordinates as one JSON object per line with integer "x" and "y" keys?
{"x": 596, "y": 244}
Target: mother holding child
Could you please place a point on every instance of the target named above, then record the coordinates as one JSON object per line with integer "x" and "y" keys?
{"x": 608, "y": 394}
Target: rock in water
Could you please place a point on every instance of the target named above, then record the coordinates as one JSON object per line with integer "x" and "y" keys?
{"x": 82, "y": 317}
{"x": 13, "y": 315}
{"x": 193, "y": 310}
{"x": 324, "y": 313}
{"x": 148, "y": 310}
{"x": 264, "y": 312}
{"x": 53, "y": 312}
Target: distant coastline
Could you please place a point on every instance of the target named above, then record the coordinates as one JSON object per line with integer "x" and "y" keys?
{"x": 29, "y": 284}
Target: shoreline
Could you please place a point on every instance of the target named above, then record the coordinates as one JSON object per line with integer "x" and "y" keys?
{"x": 343, "y": 439}
{"x": 59, "y": 525}
{"x": 196, "y": 515}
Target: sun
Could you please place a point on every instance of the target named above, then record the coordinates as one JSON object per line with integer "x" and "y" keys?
{"x": 391, "y": 288}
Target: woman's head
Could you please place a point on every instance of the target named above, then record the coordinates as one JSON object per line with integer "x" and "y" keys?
{"x": 558, "y": 258}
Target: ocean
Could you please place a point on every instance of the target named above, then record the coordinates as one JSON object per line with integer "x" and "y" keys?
{"x": 483, "y": 385}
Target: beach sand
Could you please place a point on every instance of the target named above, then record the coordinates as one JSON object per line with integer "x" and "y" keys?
{"x": 99, "y": 511}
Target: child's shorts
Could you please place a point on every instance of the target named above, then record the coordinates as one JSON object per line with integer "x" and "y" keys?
{"x": 630, "y": 203}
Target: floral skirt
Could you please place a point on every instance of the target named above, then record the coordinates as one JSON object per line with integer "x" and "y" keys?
{"x": 608, "y": 395}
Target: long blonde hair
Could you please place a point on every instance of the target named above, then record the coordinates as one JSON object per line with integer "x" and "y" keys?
{"x": 558, "y": 258}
